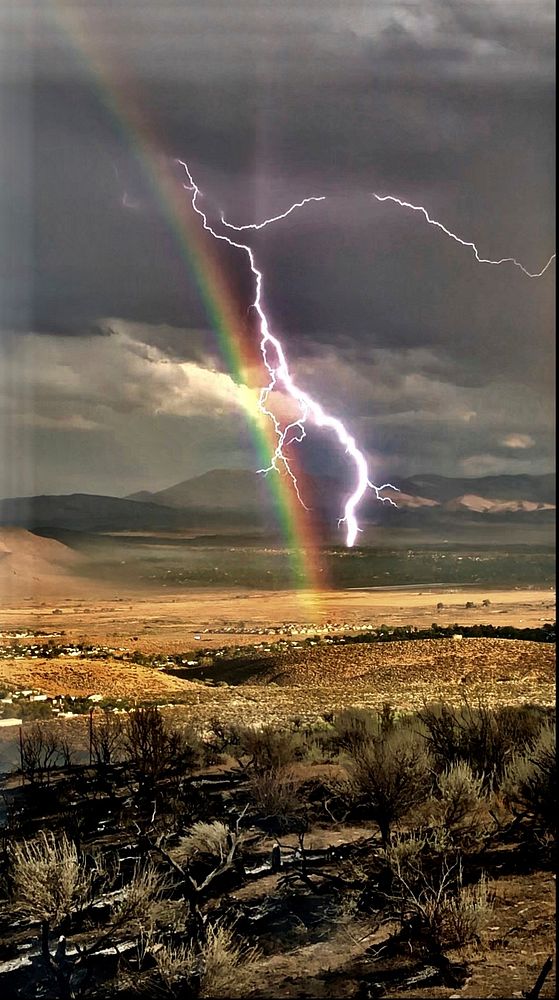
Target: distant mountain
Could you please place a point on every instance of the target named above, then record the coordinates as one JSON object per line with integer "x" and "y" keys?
{"x": 484, "y": 505}
{"x": 224, "y": 492}
{"x": 220, "y": 489}
{"x": 408, "y": 501}
{"x": 144, "y": 496}
{"x": 539, "y": 489}
{"x": 237, "y": 489}
{"x": 236, "y": 500}
{"x": 90, "y": 513}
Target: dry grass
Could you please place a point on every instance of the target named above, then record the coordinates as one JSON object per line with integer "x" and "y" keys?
{"x": 447, "y": 913}
{"x": 211, "y": 839}
{"x": 415, "y": 664}
{"x": 223, "y": 966}
{"x": 79, "y": 677}
{"x": 140, "y": 895}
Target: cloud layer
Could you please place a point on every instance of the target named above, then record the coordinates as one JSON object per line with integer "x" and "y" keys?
{"x": 99, "y": 411}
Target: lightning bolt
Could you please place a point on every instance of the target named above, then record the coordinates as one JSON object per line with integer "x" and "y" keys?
{"x": 458, "y": 239}
{"x": 276, "y": 365}
{"x": 275, "y": 218}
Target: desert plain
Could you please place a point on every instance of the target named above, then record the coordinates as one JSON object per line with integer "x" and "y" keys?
{"x": 203, "y": 621}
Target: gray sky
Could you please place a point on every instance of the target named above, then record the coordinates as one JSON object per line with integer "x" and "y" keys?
{"x": 112, "y": 377}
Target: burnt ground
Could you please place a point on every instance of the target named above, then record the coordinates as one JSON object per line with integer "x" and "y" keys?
{"x": 315, "y": 936}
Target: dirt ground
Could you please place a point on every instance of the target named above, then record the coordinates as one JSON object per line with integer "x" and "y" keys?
{"x": 177, "y": 622}
{"x": 504, "y": 965}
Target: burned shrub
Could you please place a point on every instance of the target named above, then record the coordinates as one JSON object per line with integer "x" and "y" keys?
{"x": 106, "y": 739}
{"x": 42, "y": 751}
{"x": 153, "y": 750}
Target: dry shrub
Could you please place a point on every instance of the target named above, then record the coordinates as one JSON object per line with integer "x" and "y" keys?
{"x": 520, "y": 725}
{"x": 207, "y": 839}
{"x": 530, "y": 785}
{"x": 49, "y": 880}
{"x": 436, "y": 906}
{"x": 460, "y": 795}
{"x": 221, "y": 968}
{"x": 268, "y": 749}
{"x": 274, "y": 794}
{"x": 390, "y": 775}
{"x": 272, "y": 787}
{"x": 317, "y": 750}
{"x": 403, "y": 854}
{"x": 354, "y": 727}
{"x": 484, "y": 737}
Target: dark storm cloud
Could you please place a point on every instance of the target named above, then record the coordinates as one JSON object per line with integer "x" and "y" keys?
{"x": 448, "y": 104}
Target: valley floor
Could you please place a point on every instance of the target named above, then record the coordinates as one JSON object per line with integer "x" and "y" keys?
{"x": 159, "y": 621}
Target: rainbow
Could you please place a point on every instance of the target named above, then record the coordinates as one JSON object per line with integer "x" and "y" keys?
{"x": 238, "y": 347}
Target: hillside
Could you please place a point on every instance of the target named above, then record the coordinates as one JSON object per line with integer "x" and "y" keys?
{"x": 433, "y": 661}
{"x": 26, "y": 559}
{"x": 220, "y": 489}
{"x": 22, "y": 547}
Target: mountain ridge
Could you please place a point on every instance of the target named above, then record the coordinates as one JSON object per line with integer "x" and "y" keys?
{"x": 214, "y": 484}
{"x": 233, "y": 499}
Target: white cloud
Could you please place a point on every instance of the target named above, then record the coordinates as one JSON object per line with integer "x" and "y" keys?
{"x": 76, "y": 382}
{"x": 518, "y": 441}
{"x": 68, "y": 422}
{"x": 112, "y": 414}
